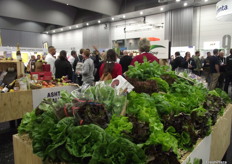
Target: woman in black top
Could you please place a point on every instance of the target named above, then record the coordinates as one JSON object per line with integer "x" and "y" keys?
{"x": 63, "y": 67}
{"x": 189, "y": 62}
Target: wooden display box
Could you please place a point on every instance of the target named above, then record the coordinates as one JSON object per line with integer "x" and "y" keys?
{"x": 14, "y": 105}
{"x": 214, "y": 146}
{"x": 19, "y": 66}
{"x": 211, "y": 148}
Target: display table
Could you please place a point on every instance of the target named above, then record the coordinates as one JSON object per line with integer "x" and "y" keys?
{"x": 211, "y": 148}
{"x": 13, "y": 105}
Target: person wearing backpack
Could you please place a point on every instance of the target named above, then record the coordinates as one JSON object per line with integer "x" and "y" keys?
{"x": 87, "y": 71}
{"x": 110, "y": 69}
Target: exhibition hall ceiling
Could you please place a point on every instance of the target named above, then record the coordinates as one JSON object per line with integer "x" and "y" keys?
{"x": 52, "y": 14}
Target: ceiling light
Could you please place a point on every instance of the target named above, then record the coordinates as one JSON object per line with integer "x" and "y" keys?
{"x": 87, "y": 24}
{"x": 177, "y": 0}
{"x": 161, "y": 9}
{"x": 141, "y": 12}
{"x": 112, "y": 18}
{"x": 124, "y": 16}
{"x": 54, "y": 30}
{"x": 99, "y": 21}
{"x": 77, "y": 26}
{"x": 185, "y": 4}
{"x": 70, "y": 27}
{"x": 206, "y": 0}
{"x": 67, "y": 4}
{"x": 61, "y": 29}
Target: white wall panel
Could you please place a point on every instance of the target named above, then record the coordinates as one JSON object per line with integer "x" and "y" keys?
{"x": 210, "y": 29}
{"x": 98, "y": 35}
{"x": 68, "y": 40}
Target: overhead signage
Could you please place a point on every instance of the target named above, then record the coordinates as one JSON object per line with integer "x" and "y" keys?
{"x": 224, "y": 10}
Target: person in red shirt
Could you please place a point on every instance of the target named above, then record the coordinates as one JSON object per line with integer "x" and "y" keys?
{"x": 144, "y": 48}
{"x": 110, "y": 65}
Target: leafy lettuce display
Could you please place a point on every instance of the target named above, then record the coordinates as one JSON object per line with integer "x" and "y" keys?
{"x": 158, "y": 126}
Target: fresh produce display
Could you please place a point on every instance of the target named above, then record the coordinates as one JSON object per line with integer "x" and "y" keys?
{"x": 159, "y": 126}
{"x": 149, "y": 77}
{"x": 36, "y": 84}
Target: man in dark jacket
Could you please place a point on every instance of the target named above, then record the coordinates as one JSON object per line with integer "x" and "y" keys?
{"x": 222, "y": 67}
{"x": 206, "y": 68}
{"x": 125, "y": 61}
{"x": 178, "y": 62}
{"x": 228, "y": 74}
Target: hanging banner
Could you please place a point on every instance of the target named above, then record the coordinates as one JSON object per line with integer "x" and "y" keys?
{"x": 224, "y": 10}
{"x": 160, "y": 49}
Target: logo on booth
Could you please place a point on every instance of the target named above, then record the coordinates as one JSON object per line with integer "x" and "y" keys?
{"x": 222, "y": 8}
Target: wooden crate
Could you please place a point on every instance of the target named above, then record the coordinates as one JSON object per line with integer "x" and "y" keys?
{"x": 221, "y": 135}
{"x": 23, "y": 152}
{"x": 19, "y": 66}
{"x": 13, "y": 105}
{"x": 214, "y": 146}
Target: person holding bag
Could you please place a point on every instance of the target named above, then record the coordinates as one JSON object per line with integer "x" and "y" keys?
{"x": 77, "y": 66}
{"x": 87, "y": 71}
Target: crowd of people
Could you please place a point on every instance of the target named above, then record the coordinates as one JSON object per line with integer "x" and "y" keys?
{"x": 88, "y": 67}
{"x": 216, "y": 68}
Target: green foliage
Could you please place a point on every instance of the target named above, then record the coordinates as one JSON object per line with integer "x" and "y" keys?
{"x": 107, "y": 96}
{"x": 142, "y": 106}
{"x": 118, "y": 151}
{"x": 26, "y": 125}
{"x": 117, "y": 125}
{"x": 162, "y": 84}
{"x": 223, "y": 95}
{"x": 146, "y": 70}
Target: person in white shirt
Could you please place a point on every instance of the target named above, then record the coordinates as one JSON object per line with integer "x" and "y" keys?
{"x": 72, "y": 58}
{"x": 50, "y": 58}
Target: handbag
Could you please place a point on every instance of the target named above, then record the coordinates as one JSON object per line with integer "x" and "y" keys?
{"x": 106, "y": 76}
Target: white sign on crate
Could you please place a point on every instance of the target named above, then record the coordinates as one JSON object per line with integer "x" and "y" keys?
{"x": 54, "y": 93}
